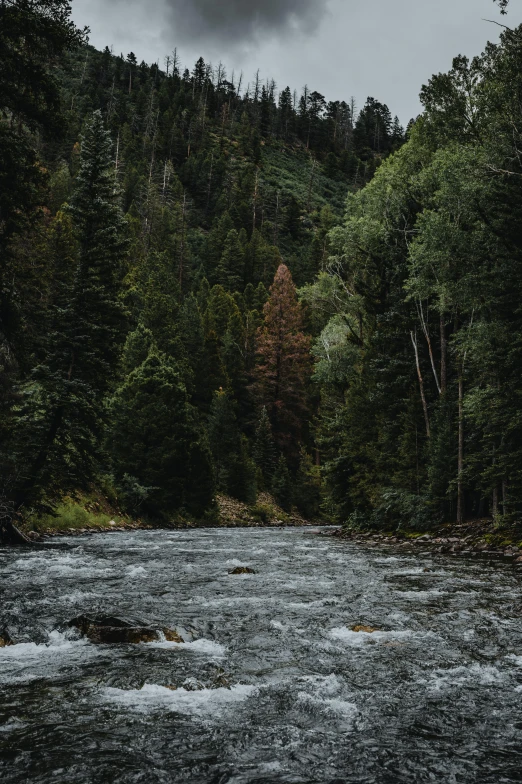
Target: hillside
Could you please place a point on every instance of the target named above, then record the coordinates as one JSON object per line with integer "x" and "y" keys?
{"x": 161, "y": 245}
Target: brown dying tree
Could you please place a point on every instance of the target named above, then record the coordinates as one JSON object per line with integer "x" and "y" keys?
{"x": 284, "y": 364}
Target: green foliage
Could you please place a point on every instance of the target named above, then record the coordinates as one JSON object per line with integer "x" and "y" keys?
{"x": 282, "y": 485}
{"x": 262, "y": 512}
{"x": 124, "y": 339}
{"x": 234, "y": 470}
{"x": 156, "y": 442}
{"x": 264, "y": 450}
{"x": 308, "y": 494}
{"x": 420, "y": 360}
{"x": 59, "y": 423}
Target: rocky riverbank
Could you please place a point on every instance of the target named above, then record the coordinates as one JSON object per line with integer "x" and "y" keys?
{"x": 480, "y": 539}
{"x": 76, "y": 518}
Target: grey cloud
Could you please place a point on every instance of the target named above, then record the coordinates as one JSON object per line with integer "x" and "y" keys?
{"x": 242, "y": 21}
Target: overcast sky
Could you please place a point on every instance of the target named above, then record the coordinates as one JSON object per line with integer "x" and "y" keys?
{"x": 342, "y": 48}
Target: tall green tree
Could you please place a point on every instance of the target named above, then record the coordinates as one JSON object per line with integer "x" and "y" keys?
{"x": 62, "y": 419}
{"x": 156, "y": 443}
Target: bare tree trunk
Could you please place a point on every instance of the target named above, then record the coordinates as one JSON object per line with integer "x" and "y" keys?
{"x": 182, "y": 244}
{"x": 460, "y": 466}
{"x": 312, "y": 173}
{"x": 443, "y": 356}
{"x": 428, "y": 341}
{"x": 421, "y": 383}
{"x": 209, "y": 189}
{"x": 254, "y": 201}
{"x": 9, "y": 533}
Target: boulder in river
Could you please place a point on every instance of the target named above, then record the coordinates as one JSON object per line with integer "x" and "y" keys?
{"x": 241, "y": 570}
{"x": 5, "y": 639}
{"x": 111, "y": 630}
{"x": 365, "y": 629}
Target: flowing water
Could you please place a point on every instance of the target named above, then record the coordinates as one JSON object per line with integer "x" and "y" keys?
{"x": 285, "y": 690}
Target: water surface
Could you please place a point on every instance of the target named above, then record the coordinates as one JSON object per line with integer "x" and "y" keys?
{"x": 286, "y": 692}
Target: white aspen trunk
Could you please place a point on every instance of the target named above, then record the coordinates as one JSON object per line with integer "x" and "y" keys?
{"x": 430, "y": 349}
{"x": 421, "y": 384}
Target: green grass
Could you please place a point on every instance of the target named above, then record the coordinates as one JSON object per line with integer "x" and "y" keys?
{"x": 71, "y": 514}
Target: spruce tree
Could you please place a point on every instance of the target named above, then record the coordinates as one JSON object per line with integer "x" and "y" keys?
{"x": 282, "y": 485}
{"x": 156, "y": 440}
{"x": 62, "y": 417}
{"x": 284, "y": 364}
{"x": 234, "y": 470}
{"x": 231, "y": 269}
{"x": 264, "y": 450}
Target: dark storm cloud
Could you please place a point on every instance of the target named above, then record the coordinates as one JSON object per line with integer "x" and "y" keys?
{"x": 237, "y": 22}
{"x": 246, "y": 20}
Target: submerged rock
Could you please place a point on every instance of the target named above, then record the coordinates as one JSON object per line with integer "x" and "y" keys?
{"x": 242, "y": 570}
{"x": 111, "y": 630}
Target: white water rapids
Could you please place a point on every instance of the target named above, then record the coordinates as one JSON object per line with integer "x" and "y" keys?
{"x": 272, "y": 683}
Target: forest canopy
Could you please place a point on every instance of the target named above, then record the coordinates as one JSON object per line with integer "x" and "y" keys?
{"x": 209, "y": 286}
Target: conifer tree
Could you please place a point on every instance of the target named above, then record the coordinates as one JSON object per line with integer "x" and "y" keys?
{"x": 264, "y": 451}
{"x": 137, "y": 348}
{"x": 65, "y": 402}
{"x": 234, "y": 470}
{"x": 284, "y": 364}
{"x": 231, "y": 269}
{"x": 155, "y": 439}
{"x": 282, "y": 485}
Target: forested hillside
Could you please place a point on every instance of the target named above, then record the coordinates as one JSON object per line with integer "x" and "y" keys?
{"x": 189, "y": 305}
{"x": 420, "y": 358}
{"x": 154, "y": 227}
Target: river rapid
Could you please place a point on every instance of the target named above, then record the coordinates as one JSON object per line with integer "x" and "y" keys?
{"x": 272, "y": 685}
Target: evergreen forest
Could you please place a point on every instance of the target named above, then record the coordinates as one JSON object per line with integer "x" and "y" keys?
{"x": 213, "y": 284}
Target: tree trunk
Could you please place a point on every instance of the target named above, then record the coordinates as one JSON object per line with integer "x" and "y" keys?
{"x": 443, "y": 356}
{"x": 460, "y": 468}
{"x": 494, "y": 502}
{"x": 421, "y": 384}
{"x": 9, "y": 534}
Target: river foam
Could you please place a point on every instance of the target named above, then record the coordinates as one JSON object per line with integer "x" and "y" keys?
{"x": 152, "y": 698}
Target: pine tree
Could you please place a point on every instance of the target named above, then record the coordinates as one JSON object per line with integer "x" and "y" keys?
{"x": 231, "y": 269}
{"x": 264, "y": 450}
{"x": 234, "y": 470}
{"x": 282, "y": 485}
{"x": 284, "y": 367}
{"x": 155, "y": 439}
{"x": 137, "y": 348}
{"x": 65, "y": 400}
{"x": 224, "y": 437}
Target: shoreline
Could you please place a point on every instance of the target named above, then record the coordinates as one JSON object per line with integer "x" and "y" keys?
{"x": 478, "y": 541}
{"x": 50, "y": 534}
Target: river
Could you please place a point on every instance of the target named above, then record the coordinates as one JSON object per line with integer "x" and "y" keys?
{"x": 273, "y": 685}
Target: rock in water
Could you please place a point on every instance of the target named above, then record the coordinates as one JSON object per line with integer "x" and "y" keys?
{"x": 241, "y": 570}
{"x": 5, "y": 639}
{"x": 111, "y": 630}
{"x": 365, "y": 629}
{"x": 171, "y": 635}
